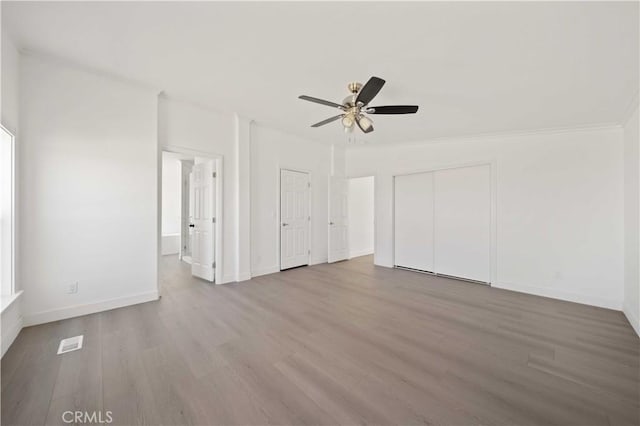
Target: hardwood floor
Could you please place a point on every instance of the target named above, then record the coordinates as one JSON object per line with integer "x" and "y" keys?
{"x": 346, "y": 343}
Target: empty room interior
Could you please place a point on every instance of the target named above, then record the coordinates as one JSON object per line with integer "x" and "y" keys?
{"x": 320, "y": 213}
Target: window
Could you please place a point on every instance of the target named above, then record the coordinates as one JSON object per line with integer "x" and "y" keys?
{"x": 6, "y": 212}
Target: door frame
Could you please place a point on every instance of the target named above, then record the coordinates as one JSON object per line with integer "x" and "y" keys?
{"x": 218, "y": 227}
{"x": 493, "y": 240}
{"x": 278, "y": 212}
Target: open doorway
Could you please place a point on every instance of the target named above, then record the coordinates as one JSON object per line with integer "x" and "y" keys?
{"x": 361, "y": 213}
{"x": 190, "y": 211}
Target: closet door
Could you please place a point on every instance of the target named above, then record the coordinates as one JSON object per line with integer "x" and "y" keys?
{"x": 414, "y": 221}
{"x": 463, "y": 222}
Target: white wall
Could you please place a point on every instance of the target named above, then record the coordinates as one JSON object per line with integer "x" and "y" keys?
{"x": 272, "y": 150}
{"x": 559, "y": 206}
{"x": 171, "y": 193}
{"x": 361, "y": 215}
{"x": 632, "y": 221}
{"x": 11, "y": 323}
{"x": 88, "y": 174}
{"x": 171, "y": 204}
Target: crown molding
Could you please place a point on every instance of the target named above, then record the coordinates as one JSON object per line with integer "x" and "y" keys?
{"x": 71, "y": 64}
{"x": 492, "y": 136}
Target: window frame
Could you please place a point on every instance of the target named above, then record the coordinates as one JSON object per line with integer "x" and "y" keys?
{"x": 10, "y": 290}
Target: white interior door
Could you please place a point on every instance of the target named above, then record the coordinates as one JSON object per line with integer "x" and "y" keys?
{"x": 203, "y": 207}
{"x": 294, "y": 219}
{"x": 413, "y": 218}
{"x": 191, "y": 207}
{"x": 338, "y": 219}
{"x": 185, "y": 209}
{"x": 463, "y": 222}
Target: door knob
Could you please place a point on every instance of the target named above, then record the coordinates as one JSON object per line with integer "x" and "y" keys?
{"x": 191, "y": 225}
{"x": 285, "y": 224}
{"x": 331, "y": 223}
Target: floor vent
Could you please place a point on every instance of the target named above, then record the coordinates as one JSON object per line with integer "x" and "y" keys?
{"x": 70, "y": 344}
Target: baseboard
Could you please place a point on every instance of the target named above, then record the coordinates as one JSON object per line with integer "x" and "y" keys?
{"x": 12, "y": 323}
{"x": 227, "y": 279}
{"x": 318, "y": 260}
{"x": 633, "y": 320}
{"x": 11, "y": 334}
{"x": 170, "y": 244}
{"x": 358, "y": 253}
{"x": 90, "y": 308}
{"x": 562, "y": 295}
{"x": 236, "y": 279}
{"x": 244, "y": 276}
{"x": 265, "y": 271}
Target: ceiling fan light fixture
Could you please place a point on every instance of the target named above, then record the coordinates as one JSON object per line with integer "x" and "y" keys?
{"x": 365, "y": 122}
{"x": 348, "y": 121}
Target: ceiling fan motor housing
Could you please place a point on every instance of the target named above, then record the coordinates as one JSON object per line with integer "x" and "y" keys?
{"x": 354, "y": 87}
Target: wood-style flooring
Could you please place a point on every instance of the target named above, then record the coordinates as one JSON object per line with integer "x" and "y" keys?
{"x": 346, "y": 343}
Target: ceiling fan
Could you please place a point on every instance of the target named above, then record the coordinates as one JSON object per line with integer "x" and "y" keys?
{"x": 355, "y": 107}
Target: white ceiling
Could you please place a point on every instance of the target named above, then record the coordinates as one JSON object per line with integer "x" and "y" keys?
{"x": 472, "y": 67}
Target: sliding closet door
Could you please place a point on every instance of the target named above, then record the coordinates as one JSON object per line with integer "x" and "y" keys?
{"x": 414, "y": 221}
{"x": 463, "y": 222}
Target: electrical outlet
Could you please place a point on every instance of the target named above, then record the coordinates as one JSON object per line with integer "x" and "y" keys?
{"x": 73, "y": 288}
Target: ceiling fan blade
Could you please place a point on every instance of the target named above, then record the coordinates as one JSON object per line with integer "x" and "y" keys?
{"x": 328, "y": 120}
{"x": 370, "y": 90}
{"x": 365, "y": 123}
{"x": 320, "y": 101}
{"x": 393, "y": 109}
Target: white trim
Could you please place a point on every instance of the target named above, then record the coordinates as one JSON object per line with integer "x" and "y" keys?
{"x": 359, "y": 253}
{"x": 89, "y": 308}
{"x": 635, "y": 322}
{"x": 11, "y": 320}
{"x": 10, "y": 336}
{"x": 170, "y": 244}
{"x": 561, "y": 295}
{"x": 265, "y": 271}
{"x": 244, "y": 276}
{"x": 14, "y": 169}
{"x": 318, "y": 260}
{"x": 228, "y": 279}
{"x": 7, "y": 301}
{"x": 77, "y": 66}
{"x": 492, "y": 136}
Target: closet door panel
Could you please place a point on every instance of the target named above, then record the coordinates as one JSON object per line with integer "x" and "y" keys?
{"x": 462, "y": 222}
{"x": 414, "y": 221}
